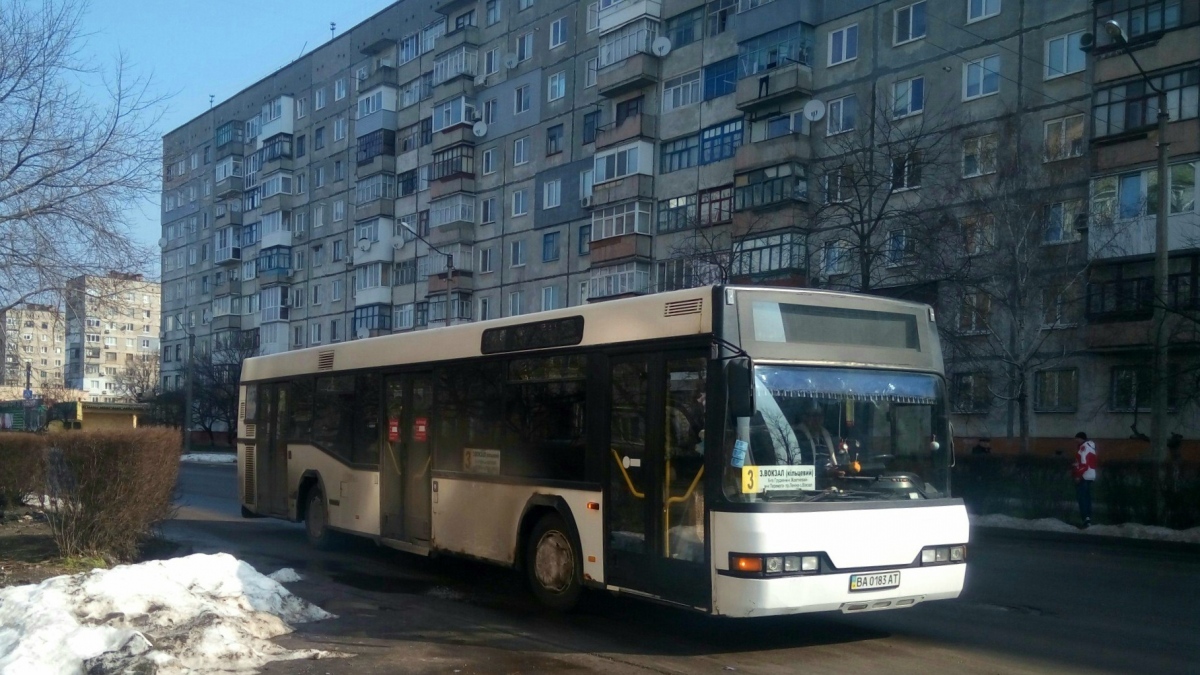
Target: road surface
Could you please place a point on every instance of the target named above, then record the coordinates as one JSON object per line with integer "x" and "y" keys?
{"x": 1033, "y": 604}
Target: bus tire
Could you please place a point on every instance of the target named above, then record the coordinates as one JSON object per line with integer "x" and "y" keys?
{"x": 316, "y": 522}
{"x": 553, "y": 564}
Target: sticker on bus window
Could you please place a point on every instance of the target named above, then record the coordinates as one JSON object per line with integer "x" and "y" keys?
{"x": 479, "y": 460}
{"x": 756, "y": 479}
{"x": 393, "y": 429}
{"x": 740, "y": 448}
{"x": 421, "y": 429}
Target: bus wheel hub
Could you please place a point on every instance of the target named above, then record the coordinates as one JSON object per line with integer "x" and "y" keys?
{"x": 554, "y": 564}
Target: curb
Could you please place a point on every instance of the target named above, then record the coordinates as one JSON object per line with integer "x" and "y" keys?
{"x": 986, "y": 532}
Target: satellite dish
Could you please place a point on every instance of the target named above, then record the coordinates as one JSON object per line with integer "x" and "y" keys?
{"x": 364, "y": 244}
{"x": 162, "y": 242}
{"x": 510, "y": 60}
{"x": 814, "y": 110}
{"x": 479, "y": 129}
{"x": 661, "y": 45}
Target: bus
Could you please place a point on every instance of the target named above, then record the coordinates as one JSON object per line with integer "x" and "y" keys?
{"x": 740, "y": 451}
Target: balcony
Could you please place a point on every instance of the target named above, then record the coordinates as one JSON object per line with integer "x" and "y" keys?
{"x": 269, "y": 314}
{"x": 383, "y": 75}
{"x": 463, "y": 280}
{"x": 779, "y": 150}
{"x": 455, "y": 135}
{"x": 226, "y": 322}
{"x": 227, "y": 256}
{"x": 228, "y": 217}
{"x": 377, "y": 295}
{"x": 643, "y": 125}
{"x": 229, "y": 187}
{"x": 636, "y": 186}
{"x": 384, "y": 163}
{"x": 276, "y": 202}
{"x": 613, "y": 15}
{"x": 772, "y": 86}
{"x": 277, "y": 275}
{"x": 227, "y": 286}
{"x": 444, "y": 187}
{"x": 635, "y": 72}
{"x": 622, "y": 248}
{"x": 375, "y": 208}
{"x": 460, "y": 62}
{"x": 1136, "y": 236}
{"x": 467, "y": 36}
{"x": 448, "y": 7}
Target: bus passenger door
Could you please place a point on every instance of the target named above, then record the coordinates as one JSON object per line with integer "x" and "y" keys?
{"x": 404, "y": 476}
{"x": 654, "y": 503}
{"x": 272, "y": 450}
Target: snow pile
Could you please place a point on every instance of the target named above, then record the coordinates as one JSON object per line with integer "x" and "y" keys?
{"x": 201, "y": 613}
{"x": 285, "y": 576}
{"x": 1127, "y": 530}
{"x": 209, "y": 458}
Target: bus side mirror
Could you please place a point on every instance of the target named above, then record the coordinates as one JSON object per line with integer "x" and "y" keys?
{"x": 740, "y": 380}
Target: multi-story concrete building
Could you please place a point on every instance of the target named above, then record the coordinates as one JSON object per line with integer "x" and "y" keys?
{"x": 112, "y": 327}
{"x": 468, "y": 159}
{"x": 32, "y": 344}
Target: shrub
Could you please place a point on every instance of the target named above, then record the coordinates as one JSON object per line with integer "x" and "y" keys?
{"x": 20, "y": 467}
{"x": 109, "y": 489}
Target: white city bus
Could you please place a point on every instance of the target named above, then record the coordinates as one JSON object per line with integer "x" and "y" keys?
{"x": 742, "y": 451}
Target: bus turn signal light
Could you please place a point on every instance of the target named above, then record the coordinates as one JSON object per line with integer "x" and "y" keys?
{"x": 593, "y": 506}
{"x": 745, "y": 563}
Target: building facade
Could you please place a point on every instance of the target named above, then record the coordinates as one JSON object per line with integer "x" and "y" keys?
{"x": 32, "y": 344}
{"x": 112, "y": 334}
{"x": 463, "y": 160}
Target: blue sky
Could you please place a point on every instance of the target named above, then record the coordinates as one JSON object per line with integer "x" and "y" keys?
{"x": 192, "y": 49}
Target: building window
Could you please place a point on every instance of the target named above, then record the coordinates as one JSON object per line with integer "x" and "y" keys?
{"x": 490, "y": 107}
{"x": 780, "y": 47}
{"x": 631, "y": 277}
{"x": 593, "y": 16}
{"x": 521, "y": 151}
{"x": 979, "y": 233}
{"x": 684, "y": 29}
{"x": 554, "y": 140}
{"x": 910, "y": 23}
{"x": 318, "y": 100}
{"x": 720, "y": 78}
{"x": 585, "y": 240}
{"x": 489, "y": 161}
{"x": 677, "y": 213}
{"x": 680, "y": 153}
{"x": 488, "y": 210}
{"x": 525, "y": 47}
{"x": 591, "y": 123}
{"x": 719, "y": 13}
{"x": 769, "y": 254}
{"x": 1063, "y": 138}
{"x": 1056, "y": 390}
{"x": 589, "y": 77}
{"x": 971, "y": 393}
{"x": 979, "y": 156}
{"x": 339, "y": 89}
{"x": 520, "y": 202}
{"x": 1139, "y": 17}
{"x": 551, "y": 298}
{"x": 485, "y": 260}
{"x": 681, "y": 91}
{"x": 551, "y": 194}
{"x": 974, "y": 313}
{"x": 514, "y": 303}
{"x": 1064, "y": 56}
{"x": 977, "y": 10}
{"x": 835, "y": 258}
{"x": 616, "y": 164}
{"x": 843, "y": 45}
{"x": 493, "y": 12}
{"x": 1133, "y": 105}
{"x": 1060, "y": 221}
{"x": 843, "y": 114}
{"x": 556, "y": 86}
{"x": 981, "y": 77}
{"x": 521, "y": 99}
{"x": 720, "y": 141}
{"x": 550, "y": 247}
{"x": 558, "y": 33}
{"x": 908, "y": 97}
{"x": 906, "y": 171}
{"x": 769, "y": 185}
{"x": 464, "y": 20}
{"x": 900, "y": 248}
{"x": 716, "y": 205}
{"x": 622, "y": 219}
{"x": 1131, "y": 388}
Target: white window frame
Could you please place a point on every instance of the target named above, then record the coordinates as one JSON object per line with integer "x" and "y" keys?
{"x": 840, "y": 104}
{"x": 909, "y": 109}
{"x": 556, "y": 86}
{"x": 516, "y": 253}
{"x": 981, "y": 65}
{"x": 522, "y": 93}
{"x": 682, "y": 91}
{"x": 845, "y": 32}
{"x": 593, "y": 16}
{"x": 1052, "y": 74}
{"x": 984, "y": 14}
{"x": 339, "y": 89}
{"x": 1064, "y": 141}
{"x": 319, "y": 99}
{"x": 489, "y": 161}
{"x": 978, "y": 142}
{"x": 552, "y": 194}
{"x": 521, "y": 196}
{"x": 558, "y": 30}
{"x": 521, "y": 151}
{"x": 896, "y": 41}
{"x": 589, "y": 77}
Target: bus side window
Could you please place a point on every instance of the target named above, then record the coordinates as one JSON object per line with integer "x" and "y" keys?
{"x": 251, "y": 402}
{"x": 334, "y": 418}
{"x": 366, "y": 426}
{"x": 300, "y": 414}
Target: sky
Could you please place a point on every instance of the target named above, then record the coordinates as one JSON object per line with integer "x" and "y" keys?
{"x": 191, "y": 49}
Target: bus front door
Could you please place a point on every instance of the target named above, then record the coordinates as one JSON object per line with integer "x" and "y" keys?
{"x": 654, "y": 503}
{"x": 272, "y": 453}
{"x": 404, "y": 483}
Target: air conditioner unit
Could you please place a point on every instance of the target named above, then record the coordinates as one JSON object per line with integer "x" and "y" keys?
{"x": 586, "y": 202}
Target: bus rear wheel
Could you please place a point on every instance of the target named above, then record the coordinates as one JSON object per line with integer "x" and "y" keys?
{"x": 553, "y": 564}
{"x": 316, "y": 522}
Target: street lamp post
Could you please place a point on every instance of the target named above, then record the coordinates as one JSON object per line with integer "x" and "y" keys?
{"x": 1158, "y": 412}
{"x": 449, "y": 265}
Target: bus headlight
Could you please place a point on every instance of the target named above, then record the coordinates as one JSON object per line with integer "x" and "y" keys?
{"x": 774, "y": 565}
{"x": 958, "y": 553}
{"x": 940, "y": 555}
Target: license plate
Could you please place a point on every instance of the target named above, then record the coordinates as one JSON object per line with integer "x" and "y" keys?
{"x": 874, "y": 582}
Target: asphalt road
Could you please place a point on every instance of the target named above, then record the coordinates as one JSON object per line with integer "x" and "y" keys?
{"x": 1033, "y": 604}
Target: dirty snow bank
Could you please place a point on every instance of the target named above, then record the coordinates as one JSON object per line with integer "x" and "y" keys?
{"x": 285, "y": 576}
{"x": 1127, "y": 530}
{"x": 200, "y": 613}
{"x": 209, "y": 458}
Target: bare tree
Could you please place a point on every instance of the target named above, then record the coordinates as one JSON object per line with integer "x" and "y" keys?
{"x": 885, "y": 184}
{"x": 78, "y": 147}
{"x": 138, "y": 381}
{"x": 215, "y": 377}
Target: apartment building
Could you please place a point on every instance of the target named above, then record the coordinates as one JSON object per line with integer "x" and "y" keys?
{"x": 112, "y": 326}
{"x": 461, "y": 160}
{"x": 32, "y": 343}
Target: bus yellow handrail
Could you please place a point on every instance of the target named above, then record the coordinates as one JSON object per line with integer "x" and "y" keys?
{"x": 628, "y": 481}
{"x": 691, "y": 488}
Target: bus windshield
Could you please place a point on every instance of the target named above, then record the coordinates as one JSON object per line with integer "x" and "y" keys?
{"x": 839, "y": 434}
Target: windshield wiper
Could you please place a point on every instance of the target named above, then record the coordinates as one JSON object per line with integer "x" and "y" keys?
{"x": 851, "y": 495}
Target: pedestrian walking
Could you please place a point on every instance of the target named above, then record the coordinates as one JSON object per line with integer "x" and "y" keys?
{"x": 1084, "y": 472}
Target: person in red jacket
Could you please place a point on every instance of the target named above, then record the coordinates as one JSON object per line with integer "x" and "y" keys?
{"x": 1084, "y": 473}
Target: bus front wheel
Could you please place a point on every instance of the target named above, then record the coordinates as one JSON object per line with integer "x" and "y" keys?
{"x": 316, "y": 522}
{"x": 553, "y": 564}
